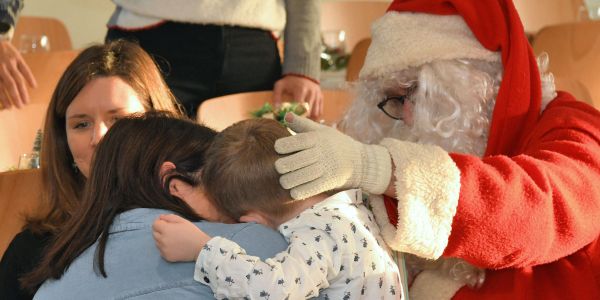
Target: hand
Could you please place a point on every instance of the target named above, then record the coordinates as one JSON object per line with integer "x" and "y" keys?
{"x": 178, "y": 239}
{"x": 327, "y": 159}
{"x": 302, "y": 90}
{"x": 14, "y": 75}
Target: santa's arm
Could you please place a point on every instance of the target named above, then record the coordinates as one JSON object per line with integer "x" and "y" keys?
{"x": 503, "y": 211}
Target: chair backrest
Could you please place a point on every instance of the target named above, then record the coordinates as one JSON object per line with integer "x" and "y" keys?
{"x": 573, "y": 50}
{"x": 354, "y": 17}
{"x": 19, "y": 195}
{"x": 357, "y": 59}
{"x": 54, "y": 29}
{"x": 218, "y": 113}
{"x": 19, "y": 126}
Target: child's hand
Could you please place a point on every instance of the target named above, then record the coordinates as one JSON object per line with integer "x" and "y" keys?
{"x": 178, "y": 239}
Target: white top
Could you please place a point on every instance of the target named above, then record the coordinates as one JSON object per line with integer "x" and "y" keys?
{"x": 335, "y": 247}
{"x": 265, "y": 14}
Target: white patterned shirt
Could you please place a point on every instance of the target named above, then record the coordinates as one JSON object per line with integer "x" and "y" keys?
{"x": 334, "y": 249}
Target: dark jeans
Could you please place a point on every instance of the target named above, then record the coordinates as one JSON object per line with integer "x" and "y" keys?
{"x": 205, "y": 61}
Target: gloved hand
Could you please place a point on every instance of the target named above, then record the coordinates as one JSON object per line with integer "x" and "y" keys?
{"x": 324, "y": 159}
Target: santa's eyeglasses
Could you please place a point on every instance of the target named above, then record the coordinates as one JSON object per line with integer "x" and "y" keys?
{"x": 392, "y": 106}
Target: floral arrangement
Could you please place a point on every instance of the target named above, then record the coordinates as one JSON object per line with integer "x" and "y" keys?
{"x": 334, "y": 60}
{"x": 278, "y": 113}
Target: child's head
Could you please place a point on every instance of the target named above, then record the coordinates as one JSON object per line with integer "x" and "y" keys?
{"x": 239, "y": 175}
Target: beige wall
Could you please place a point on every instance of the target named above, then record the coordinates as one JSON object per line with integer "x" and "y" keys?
{"x": 86, "y": 19}
{"x": 536, "y": 14}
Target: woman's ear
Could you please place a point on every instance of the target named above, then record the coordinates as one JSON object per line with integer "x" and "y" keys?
{"x": 165, "y": 168}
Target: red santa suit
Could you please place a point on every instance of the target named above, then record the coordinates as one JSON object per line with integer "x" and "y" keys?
{"x": 528, "y": 210}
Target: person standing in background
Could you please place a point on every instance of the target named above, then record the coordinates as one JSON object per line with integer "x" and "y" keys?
{"x": 15, "y": 75}
{"x": 211, "y": 48}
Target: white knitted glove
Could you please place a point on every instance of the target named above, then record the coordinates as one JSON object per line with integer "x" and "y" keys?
{"x": 324, "y": 159}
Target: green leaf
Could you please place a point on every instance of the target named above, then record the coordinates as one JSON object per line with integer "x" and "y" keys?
{"x": 266, "y": 108}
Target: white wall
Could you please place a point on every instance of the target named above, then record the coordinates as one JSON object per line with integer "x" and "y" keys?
{"x": 85, "y": 19}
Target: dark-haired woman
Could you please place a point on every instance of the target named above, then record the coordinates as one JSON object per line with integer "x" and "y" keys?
{"x": 102, "y": 84}
{"x": 145, "y": 166}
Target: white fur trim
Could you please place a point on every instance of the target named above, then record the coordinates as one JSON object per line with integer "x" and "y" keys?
{"x": 427, "y": 188}
{"x": 264, "y": 14}
{"x": 431, "y": 285}
{"x": 403, "y": 40}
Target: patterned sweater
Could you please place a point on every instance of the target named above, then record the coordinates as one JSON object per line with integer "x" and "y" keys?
{"x": 335, "y": 250}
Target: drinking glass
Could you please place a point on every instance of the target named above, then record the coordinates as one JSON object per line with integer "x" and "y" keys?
{"x": 593, "y": 9}
{"x": 34, "y": 43}
{"x": 333, "y": 55}
{"x": 29, "y": 161}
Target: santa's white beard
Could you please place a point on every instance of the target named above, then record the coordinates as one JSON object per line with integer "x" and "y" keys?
{"x": 452, "y": 106}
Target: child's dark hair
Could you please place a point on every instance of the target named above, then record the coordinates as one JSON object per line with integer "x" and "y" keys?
{"x": 239, "y": 174}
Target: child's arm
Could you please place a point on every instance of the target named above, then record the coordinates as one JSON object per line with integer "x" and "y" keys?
{"x": 178, "y": 239}
{"x": 299, "y": 272}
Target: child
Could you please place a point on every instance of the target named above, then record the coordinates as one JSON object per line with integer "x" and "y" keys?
{"x": 334, "y": 244}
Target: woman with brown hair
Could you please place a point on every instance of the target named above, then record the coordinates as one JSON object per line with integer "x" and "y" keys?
{"x": 102, "y": 84}
{"x": 145, "y": 166}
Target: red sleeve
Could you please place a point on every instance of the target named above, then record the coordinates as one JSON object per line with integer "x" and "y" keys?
{"x": 391, "y": 208}
{"x": 538, "y": 206}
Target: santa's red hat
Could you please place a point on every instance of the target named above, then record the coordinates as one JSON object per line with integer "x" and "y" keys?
{"x": 415, "y": 32}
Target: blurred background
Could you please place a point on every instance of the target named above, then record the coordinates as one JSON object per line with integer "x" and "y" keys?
{"x": 83, "y": 17}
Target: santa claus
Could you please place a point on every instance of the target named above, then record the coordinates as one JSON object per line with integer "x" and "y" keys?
{"x": 476, "y": 156}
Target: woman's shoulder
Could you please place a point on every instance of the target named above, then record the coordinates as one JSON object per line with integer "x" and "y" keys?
{"x": 28, "y": 236}
{"x": 21, "y": 256}
{"x": 237, "y": 230}
{"x": 27, "y": 243}
{"x": 256, "y": 239}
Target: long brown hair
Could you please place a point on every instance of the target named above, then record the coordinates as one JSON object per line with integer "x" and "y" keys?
{"x": 242, "y": 158}
{"x": 125, "y": 174}
{"x": 62, "y": 182}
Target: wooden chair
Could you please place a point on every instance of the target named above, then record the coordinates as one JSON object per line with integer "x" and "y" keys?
{"x": 19, "y": 126}
{"x": 354, "y": 17}
{"x": 573, "y": 50}
{"x": 218, "y": 113}
{"x": 54, "y": 29}
{"x": 20, "y": 193}
{"x": 357, "y": 59}
{"x": 575, "y": 88}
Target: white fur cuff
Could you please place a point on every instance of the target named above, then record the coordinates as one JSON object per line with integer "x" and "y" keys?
{"x": 404, "y": 40}
{"x": 427, "y": 189}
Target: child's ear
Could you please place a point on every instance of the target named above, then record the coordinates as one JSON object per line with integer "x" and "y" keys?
{"x": 257, "y": 217}
{"x": 174, "y": 191}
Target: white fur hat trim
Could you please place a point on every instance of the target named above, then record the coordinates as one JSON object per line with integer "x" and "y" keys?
{"x": 404, "y": 40}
